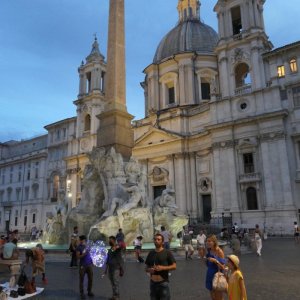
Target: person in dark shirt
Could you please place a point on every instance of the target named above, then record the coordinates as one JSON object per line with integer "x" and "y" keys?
{"x": 114, "y": 266}
{"x": 158, "y": 264}
{"x": 86, "y": 266}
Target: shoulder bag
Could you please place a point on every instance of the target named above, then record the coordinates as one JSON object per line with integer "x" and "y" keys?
{"x": 219, "y": 282}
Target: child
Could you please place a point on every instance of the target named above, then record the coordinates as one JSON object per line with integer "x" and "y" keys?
{"x": 37, "y": 256}
{"x": 138, "y": 247}
{"x": 236, "y": 284}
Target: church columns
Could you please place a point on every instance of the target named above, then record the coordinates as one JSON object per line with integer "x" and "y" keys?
{"x": 180, "y": 183}
{"x": 193, "y": 184}
{"x": 190, "y": 85}
{"x": 266, "y": 166}
{"x": 181, "y": 85}
{"x": 224, "y": 78}
{"x": 81, "y": 84}
{"x": 257, "y": 68}
{"x": 287, "y": 197}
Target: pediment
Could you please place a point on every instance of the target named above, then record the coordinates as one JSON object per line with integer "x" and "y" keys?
{"x": 156, "y": 136}
{"x": 246, "y": 144}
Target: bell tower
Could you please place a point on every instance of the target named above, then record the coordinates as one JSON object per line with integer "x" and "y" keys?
{"x": 90, "y": 97}
{"x": 242, "y": 42}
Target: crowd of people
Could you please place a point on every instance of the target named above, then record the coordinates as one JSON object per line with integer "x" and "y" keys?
{"x": 35, "y": 256}
{"x": 159, "y": 262}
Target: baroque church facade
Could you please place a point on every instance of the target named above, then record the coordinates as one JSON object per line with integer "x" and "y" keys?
{"x": 221, "y": 127}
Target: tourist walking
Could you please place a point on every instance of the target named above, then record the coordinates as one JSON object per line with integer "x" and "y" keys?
{"x": 235, "y": 278}
{"x": 187, "y": 244}
{"x": 85, "y": 267}
{"x": 114, "y": 266}
{"x": 158, "y": 264}
{"x": 72, "y": 248}
{"x": 258, "y": 240}
{"x": 138, "y": 243}
{"x": 167, "y": 237}
{"x": 34, "y": 232}
{"x": 37, "y": 257}
{"x": 296, "y": 232}
{"x": 235, "y": 245}
{"x": 214, "y": 261}
{"x": 201, "y": 239}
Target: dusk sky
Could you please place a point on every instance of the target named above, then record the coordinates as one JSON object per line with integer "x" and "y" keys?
{"x": 42, "y": 43}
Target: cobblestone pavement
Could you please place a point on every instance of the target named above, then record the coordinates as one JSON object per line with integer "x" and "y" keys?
{"x": 274, "y": 275}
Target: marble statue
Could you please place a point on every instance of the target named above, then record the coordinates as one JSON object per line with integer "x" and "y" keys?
{"x": 115, "y": 196}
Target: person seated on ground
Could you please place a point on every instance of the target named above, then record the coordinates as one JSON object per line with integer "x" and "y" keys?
{"x": 10, "y": 250}
{"x": 37, "y": 256}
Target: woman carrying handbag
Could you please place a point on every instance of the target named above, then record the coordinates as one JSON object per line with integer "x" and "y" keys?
{"x": 215, "y": 262}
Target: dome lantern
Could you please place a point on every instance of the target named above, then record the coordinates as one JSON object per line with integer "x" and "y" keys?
{"x": 188, "y": 9}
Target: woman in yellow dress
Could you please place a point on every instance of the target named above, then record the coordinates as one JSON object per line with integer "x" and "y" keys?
{"x": 236, "y": 284}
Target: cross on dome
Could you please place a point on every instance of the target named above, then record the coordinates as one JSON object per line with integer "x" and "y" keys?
{"x": 188, "y": 9}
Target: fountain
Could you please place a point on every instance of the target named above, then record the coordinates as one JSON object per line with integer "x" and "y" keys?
{"x": 114, "y": 196}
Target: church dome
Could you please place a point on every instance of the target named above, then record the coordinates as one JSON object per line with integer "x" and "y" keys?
{"x": 187, "y": 36}
{"x": 190, "y": 34}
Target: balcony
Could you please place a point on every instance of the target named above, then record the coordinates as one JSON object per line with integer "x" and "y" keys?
{"x": 7, "y": 203}
{"x": 245, "y": 89}
{"x": 250, "y": 177}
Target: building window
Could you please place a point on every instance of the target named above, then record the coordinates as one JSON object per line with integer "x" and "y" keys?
{"x": 171, "y": 95}
{"x": 9, "y": 192}
{"x": 251, "y": 198}
{"x": 205, "y": 89}
{"x": 248, "y": 163}
{"x": 296, "y": 96}
{"x": 10, "y": 177}
{"x": 242, "y": 75}
{"x": 19, "y": 177}
{"x": 35, "y": 189}
{"x": 169, "y": 91}
{"x": 16, "y": 218}
{"x": 36, "y": 175}
{"x": 298, "y": 152}
{"x": 293, "y": 65}
{"x": 88, "y": 82}
{"x": 28, "y": 174}
{"x": 280, "y": 71}
{"x": 1, "y": 195}
{"x": 3, "y": 179}
{"x": 55, "y": 188}
{"x": 283, "y": 95}
{"x": 18, "y": 192}
{"x": 25, "y": 217}
{"x": 57, "y": 134}
{"x": 26, "y": 193}
{"x": 64, "y": 132}
{"x": 33, "y": 218}
{"x": 87, "y": 123}
{"x": 236, "y": 20}
{"x": 102, "y": 81}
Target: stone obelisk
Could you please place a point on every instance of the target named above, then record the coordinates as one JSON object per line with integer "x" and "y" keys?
{"x": 115, "y": 122}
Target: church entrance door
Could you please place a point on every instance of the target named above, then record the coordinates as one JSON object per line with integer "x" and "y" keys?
{"x": 206, "y": 205}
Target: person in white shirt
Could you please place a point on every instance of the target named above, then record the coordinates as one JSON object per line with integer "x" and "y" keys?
{"x": 138, "y": 242}
{"x": 201, "y": 239}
